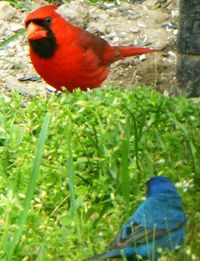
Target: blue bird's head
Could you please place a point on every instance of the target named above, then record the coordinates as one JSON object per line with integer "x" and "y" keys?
{"x": 158, "y": 185}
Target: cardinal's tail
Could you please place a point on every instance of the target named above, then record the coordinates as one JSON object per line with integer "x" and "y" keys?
{"x": 134, "y": 50}
{"x": 113, "y": 54}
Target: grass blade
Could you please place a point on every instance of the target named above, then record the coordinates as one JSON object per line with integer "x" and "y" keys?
{"x": 124, "y": 167}
{"x": 70, "y": 174}
{"x": 12, "y": 38}
{"x": 31, "y": 185}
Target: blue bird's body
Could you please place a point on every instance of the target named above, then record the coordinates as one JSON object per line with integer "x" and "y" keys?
{"x": 159, "y": 222}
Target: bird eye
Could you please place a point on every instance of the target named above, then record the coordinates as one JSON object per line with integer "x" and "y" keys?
{"x": 48, "y": 20}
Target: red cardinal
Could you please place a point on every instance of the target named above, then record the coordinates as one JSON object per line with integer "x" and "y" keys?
{"x": 68, "y": 56}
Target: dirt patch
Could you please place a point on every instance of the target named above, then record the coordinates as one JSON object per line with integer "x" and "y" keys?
{"x": 138, "y": 23}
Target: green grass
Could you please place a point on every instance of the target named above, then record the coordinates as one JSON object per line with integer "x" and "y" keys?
{"x": 64, "y": 195}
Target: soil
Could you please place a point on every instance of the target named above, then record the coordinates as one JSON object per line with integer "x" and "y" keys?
{"x": 126, "y": 23}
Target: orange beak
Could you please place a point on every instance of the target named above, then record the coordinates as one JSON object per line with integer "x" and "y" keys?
{"x": 36, "y": 32}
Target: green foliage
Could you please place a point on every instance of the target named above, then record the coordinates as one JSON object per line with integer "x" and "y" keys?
{"x": 163, "y": 3}
{"x": 101, "y": 148}
{"x": 22, "y": 4}
{"x": 26, "y": 4}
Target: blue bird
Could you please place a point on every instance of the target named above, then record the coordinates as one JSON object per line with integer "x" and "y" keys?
{"x": 159, "y": 222}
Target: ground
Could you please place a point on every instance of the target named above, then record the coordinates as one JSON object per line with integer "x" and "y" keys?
{"x": 137, "y": 23}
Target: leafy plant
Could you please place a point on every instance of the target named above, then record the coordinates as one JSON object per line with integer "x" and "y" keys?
{"x": 102, "y": 146}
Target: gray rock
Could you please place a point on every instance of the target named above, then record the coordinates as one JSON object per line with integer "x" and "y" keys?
{"x": 76, "y": 12}
{"x": 7, "y": 12}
